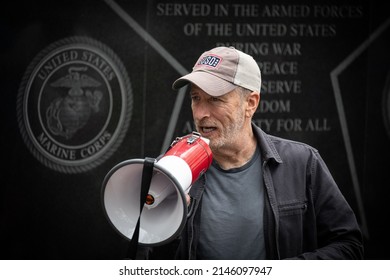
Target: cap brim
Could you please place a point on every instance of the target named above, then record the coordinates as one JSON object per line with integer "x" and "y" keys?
{"x": 209, "y": 83}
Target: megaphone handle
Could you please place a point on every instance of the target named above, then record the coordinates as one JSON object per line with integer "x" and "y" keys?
{"x": 147, "y": 174}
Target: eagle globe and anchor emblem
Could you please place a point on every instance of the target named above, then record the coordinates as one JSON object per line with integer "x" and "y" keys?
{"x": 66, "y": 115}
{"x": 74, "y": 104}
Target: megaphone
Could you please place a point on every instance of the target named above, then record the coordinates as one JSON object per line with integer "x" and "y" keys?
{"x": 164, "y": 213}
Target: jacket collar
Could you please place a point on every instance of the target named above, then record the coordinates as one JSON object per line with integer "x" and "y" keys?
{"x": 267, "y": 147}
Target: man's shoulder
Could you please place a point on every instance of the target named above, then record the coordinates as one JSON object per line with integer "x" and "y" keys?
{"x": 280, "y": 141}
{"x": 280, "y": 147}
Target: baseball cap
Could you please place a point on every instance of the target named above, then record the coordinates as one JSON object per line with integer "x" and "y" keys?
{"x": 220, "y": 70}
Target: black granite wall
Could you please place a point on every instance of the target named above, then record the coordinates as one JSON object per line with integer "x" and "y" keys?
{"x": 87, "y": 84}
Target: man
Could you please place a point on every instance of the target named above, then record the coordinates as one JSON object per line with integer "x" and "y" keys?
{"x": 263, "y": 197}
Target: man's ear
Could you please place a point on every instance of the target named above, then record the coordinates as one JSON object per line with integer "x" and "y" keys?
{"x": 253, "y": 100}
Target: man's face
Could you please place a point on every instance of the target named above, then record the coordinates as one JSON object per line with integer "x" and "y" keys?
{"x": 220, "y": 119}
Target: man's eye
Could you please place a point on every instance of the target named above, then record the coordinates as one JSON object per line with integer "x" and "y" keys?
{"x": 195, "y": 98}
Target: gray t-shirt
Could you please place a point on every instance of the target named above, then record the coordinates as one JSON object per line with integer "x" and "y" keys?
{"x": 232, "y": 213}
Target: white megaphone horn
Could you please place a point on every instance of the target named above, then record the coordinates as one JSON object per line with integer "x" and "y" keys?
{"x": 165, "y": 210}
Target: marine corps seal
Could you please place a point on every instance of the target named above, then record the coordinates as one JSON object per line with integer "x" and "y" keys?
{"x": 74, "y": 104}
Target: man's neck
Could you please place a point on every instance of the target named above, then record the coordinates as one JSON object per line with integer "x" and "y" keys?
{"x": 228, "y": 158}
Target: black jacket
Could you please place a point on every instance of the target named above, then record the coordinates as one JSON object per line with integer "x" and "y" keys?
{"x": 305, "y": 216}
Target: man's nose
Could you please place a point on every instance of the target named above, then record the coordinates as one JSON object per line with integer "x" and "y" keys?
{"x": 201, "y": 111}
